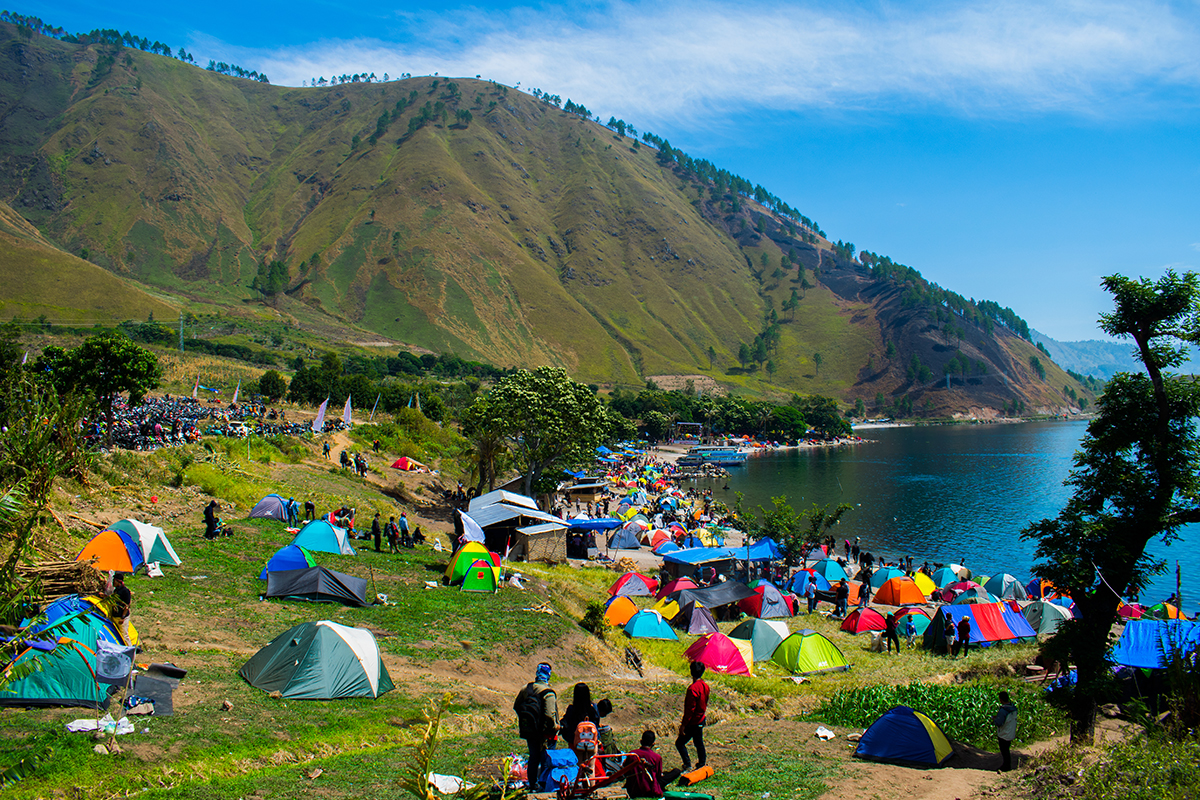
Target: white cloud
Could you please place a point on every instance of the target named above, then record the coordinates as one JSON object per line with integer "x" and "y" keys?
{"x": 1196, "y": 246}
{"x": 653, "y": 61}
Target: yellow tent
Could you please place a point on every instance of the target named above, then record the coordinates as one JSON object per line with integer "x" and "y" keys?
{"x": 925, "y": 583}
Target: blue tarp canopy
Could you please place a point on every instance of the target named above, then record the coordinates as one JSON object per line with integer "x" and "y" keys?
{"x": 581, "y": 474}
{"x": 604, "y": 451}
{"x": 1144, "y": 642}
{"x": 765, "y": 550}
{"x": 602, "y": 524}
{"x": 699, "y": 555}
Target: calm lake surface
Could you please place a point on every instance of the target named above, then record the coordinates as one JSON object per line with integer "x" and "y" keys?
{"x": 955, "y": 493}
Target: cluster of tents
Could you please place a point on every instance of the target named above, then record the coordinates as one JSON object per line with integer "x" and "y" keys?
{"x": 684, "y": 606}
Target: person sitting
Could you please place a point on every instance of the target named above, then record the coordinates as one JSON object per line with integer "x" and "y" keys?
{"x": 644, "y": 769}
{"x": 211, "y": 522}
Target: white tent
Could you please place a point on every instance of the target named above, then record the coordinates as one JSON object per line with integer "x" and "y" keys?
{"x": 155, "y": 545}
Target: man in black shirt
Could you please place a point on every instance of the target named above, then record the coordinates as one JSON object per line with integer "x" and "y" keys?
{"x": 122, "y": 605}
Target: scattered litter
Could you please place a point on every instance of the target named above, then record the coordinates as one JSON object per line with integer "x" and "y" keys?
{"x": 437, "y": 545}
{"x": 448, "y": 784}
{"x": 152, "y": 569}
{"x": 543, "y": 608}
{"x": 105, "y": 724}
{"x": 825, "y": 734}
{"x": 795, "y": 678}
{"x": 515, "y": 581}
{"x": 196, "y": 577}
{"x": 432, "y": 585}
{"x": 383, "y": 599}
{"x": 854, "y": 737}
{"x": 316, "y": 773}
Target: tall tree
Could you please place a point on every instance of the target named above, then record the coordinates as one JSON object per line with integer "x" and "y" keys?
{"x": 549, "y": 420}
{"x": 1135, "y": 479}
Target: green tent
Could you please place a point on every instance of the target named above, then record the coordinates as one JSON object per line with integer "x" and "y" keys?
{"x": 65, "y": 677}
{"x": 807, "y": 653}
{"x": 320, "y": 661}
{"x": 481, "y": 576}
{"x": 764, "y": 636}
{"x": 1045, "y": 617}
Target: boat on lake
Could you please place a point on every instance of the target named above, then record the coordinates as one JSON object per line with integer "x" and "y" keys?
{"x": 721, "y": 455}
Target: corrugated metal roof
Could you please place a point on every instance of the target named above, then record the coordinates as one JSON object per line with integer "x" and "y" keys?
{"x": 501, "y": 512}
{"x": 501, "y": 496}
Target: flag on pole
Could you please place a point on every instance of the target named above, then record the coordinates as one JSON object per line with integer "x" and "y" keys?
{"x": 319, "y": 422}
{"x": 235, "y": 391}
{"x": 196, "y": 388}
{"x": 418, "y": 401}
{"x": 372, "y": 417}
{"x": 25, "y": 359}
{"x": 346, "y": 413}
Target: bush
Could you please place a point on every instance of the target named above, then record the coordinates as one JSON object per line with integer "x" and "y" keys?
{"x": 963, "y": 712}
{"x": 272, "y": 385}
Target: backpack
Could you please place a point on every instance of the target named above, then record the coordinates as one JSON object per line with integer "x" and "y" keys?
{"x": 559, "y": 766}
{"x": 530, "y": 720}
{"x": 587, "y": 736}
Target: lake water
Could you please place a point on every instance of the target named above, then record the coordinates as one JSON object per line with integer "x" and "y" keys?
{"x": 955, "y": 493}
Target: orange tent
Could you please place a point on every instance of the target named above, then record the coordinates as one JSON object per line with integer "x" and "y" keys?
{"x": 900, "y": 592}
{"x": 113, "y": 550}
{"x": 620, "y": 610}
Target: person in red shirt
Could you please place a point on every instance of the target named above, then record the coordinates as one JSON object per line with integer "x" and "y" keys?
{"x": 645, "y": 771}
{"x": 695, "y": 712}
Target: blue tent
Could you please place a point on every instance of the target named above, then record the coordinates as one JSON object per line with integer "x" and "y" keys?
{"x": 602, "y": 524}
{"x": 765, "y": 550}
{"x": 290, "y": 556}
{"x": 667, "y": 547}
{"x": 799, "y": 582}
{"x": 904, "y": 736}
{"x": 649, "y": 624}
{"x": 831, "y": 569}
{"x": 270, "y": 507}
{"x": 698, "y": 555}
{"x": 321, "y": 537}
{"x": 624, "y": 539}
{"x": 1143, "y": 642}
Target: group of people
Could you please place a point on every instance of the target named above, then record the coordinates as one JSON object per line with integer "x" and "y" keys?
{"x": 580, "y": 727}
{"x": 398, "y": 534}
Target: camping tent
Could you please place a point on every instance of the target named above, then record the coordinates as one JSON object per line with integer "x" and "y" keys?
{"x": 695, "y": 619}
{"x": 1145, "y": 643}
{"x": 1164, "y": 611}
{"x": 1038, "y": 589}
{"x": 799, "y": 582}
{"x": 649, "y": 625}
{"x": 633, "y": 584}
{"x": 270, "y": 507}
{"x": 720, "y": 653}
{"x": 481, "y": 576}
{"x": 319, "y": 661}
{"x": 1045, "y": 617}
{"x": 924, "y": 583}
{"x": 623, "y": 539}
{"x": 864, "y": 619}
{"x": 619, "y": 611}
{"x": 319, "y": 585}
{"x": 764, "y": 549}
{"x": 319, "y": 536}
{"x": 67, "y": 677}
{"x": 973, "y": 596}
{"x": 884, "y": 574}
{"x": 1005, "y": 587}
{"x": 994, "y": 622}
{"x": 115, "y": 550}
{"x": 900, "y": 592}
{"x": 830, "y": 569}
{"x": 677, "y": 585}
{"x": 764, "y": 636}
{"x": 920, "y": 619}
{"x": 944, "y": 576}
{"x": 407, "y": 464}
{"x": 767, "y": 603}
{"x": 290, "y": 556}
{"x": 904, "y": 736}
{"x": 808, "y": 653}
{"x": 154, "y": 543}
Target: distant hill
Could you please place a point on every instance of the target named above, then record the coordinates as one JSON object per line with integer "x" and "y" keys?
{"x": 462, "y": 215}
{"x": 1094, "y": 357}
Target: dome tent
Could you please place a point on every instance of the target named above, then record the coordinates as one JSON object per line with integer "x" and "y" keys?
{"x": 114, "y": 550}
{"x": 320, "y": 537}
{"x": 155, "y": 545}
{"x": 290, "y": 556}
{"x": 319, "y": 661}
{"x": 764, "y": 636}
{"x": 864, "y": 619}
{"x": 649, "y": 625}
{"x": 65, "y": 676}
{"x": 904, "y": 736}
{"x": 718, "y": 652}
{"x": 809, "y": 653}
{"x": 270, "y": 507}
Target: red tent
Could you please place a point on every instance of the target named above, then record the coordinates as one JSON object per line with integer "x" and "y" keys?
{"x": 405, "y": 463}
{"x": 633, "y": 584}
{"x": 864, "y": 619}
{"x": 677, "y": 585}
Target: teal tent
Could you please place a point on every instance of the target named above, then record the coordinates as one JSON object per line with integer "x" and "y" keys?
{"x": 764, "y": 636}
{"x": 67, "y": 677}
{"x": 320, "y": 661}
{"x": 319, "y": 536}
{"x": 649, "y": 625}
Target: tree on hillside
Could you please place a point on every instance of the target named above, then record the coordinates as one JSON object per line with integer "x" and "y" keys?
{"x": 818, "y": 359}
{"x": 550, "y": 421}
{"x": 102, "y": 368}
{"x": 272, "y": 385}
{"x": 1035, "y": 364}
{"x": 1135, "y": 479}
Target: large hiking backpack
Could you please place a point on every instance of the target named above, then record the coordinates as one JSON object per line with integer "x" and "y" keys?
{"x": 530, "y": 720}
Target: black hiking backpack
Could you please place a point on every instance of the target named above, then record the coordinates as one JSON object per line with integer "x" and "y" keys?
{"x": 530, "y": 720}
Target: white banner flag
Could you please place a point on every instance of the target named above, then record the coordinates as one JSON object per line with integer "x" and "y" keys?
{"x": 346, "y": 413}
{"x": 319, "y": 422}
{"x": 235, "y": 392}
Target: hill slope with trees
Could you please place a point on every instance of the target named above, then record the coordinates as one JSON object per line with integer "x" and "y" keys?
{"x": 460, "y": 215}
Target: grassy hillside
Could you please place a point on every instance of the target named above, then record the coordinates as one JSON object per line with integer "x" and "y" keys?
{"x": 444, "y": 214}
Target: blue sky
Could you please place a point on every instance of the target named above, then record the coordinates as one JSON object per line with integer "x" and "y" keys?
{"x": 1010, "y": 151}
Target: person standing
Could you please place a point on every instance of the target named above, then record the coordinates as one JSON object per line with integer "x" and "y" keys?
{"x": 695, "y": 714}
{"x": 210, "y": 519}
{"x": 310, "y": 510}
{"x": 910, "y": 630}
{"x": 1006, "y": 729}
{"x": 864, "y": 593}
{"x": 843, "y": 597}
{"x": 325, "y": 450}
{"x": 376, "y": 532}
{"x": 121, "y": 603}
{"x": 405, "y": 536}
{"x": 537, "y": 719}
{"x": 393, "y": 534}
{"x": 891, "y": 633}
{"x": 810, "y": 593}
{"x": 293, "y": 512}
{"x": 948, "y": 634}
{"x": 964, "y": 634}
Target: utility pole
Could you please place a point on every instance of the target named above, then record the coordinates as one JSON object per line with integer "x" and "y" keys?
{"x": 181, "y": 331}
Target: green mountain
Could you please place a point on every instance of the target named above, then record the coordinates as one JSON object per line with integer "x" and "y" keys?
{"x": 462, "y": 215}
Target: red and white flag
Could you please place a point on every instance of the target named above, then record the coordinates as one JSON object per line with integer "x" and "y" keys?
{"x": 196, "y": 388}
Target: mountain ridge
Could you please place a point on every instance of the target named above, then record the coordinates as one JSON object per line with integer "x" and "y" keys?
{"x": 520, "y": 233}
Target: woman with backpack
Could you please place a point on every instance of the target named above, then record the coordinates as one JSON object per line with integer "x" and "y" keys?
{"x": 581, "y": 725}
